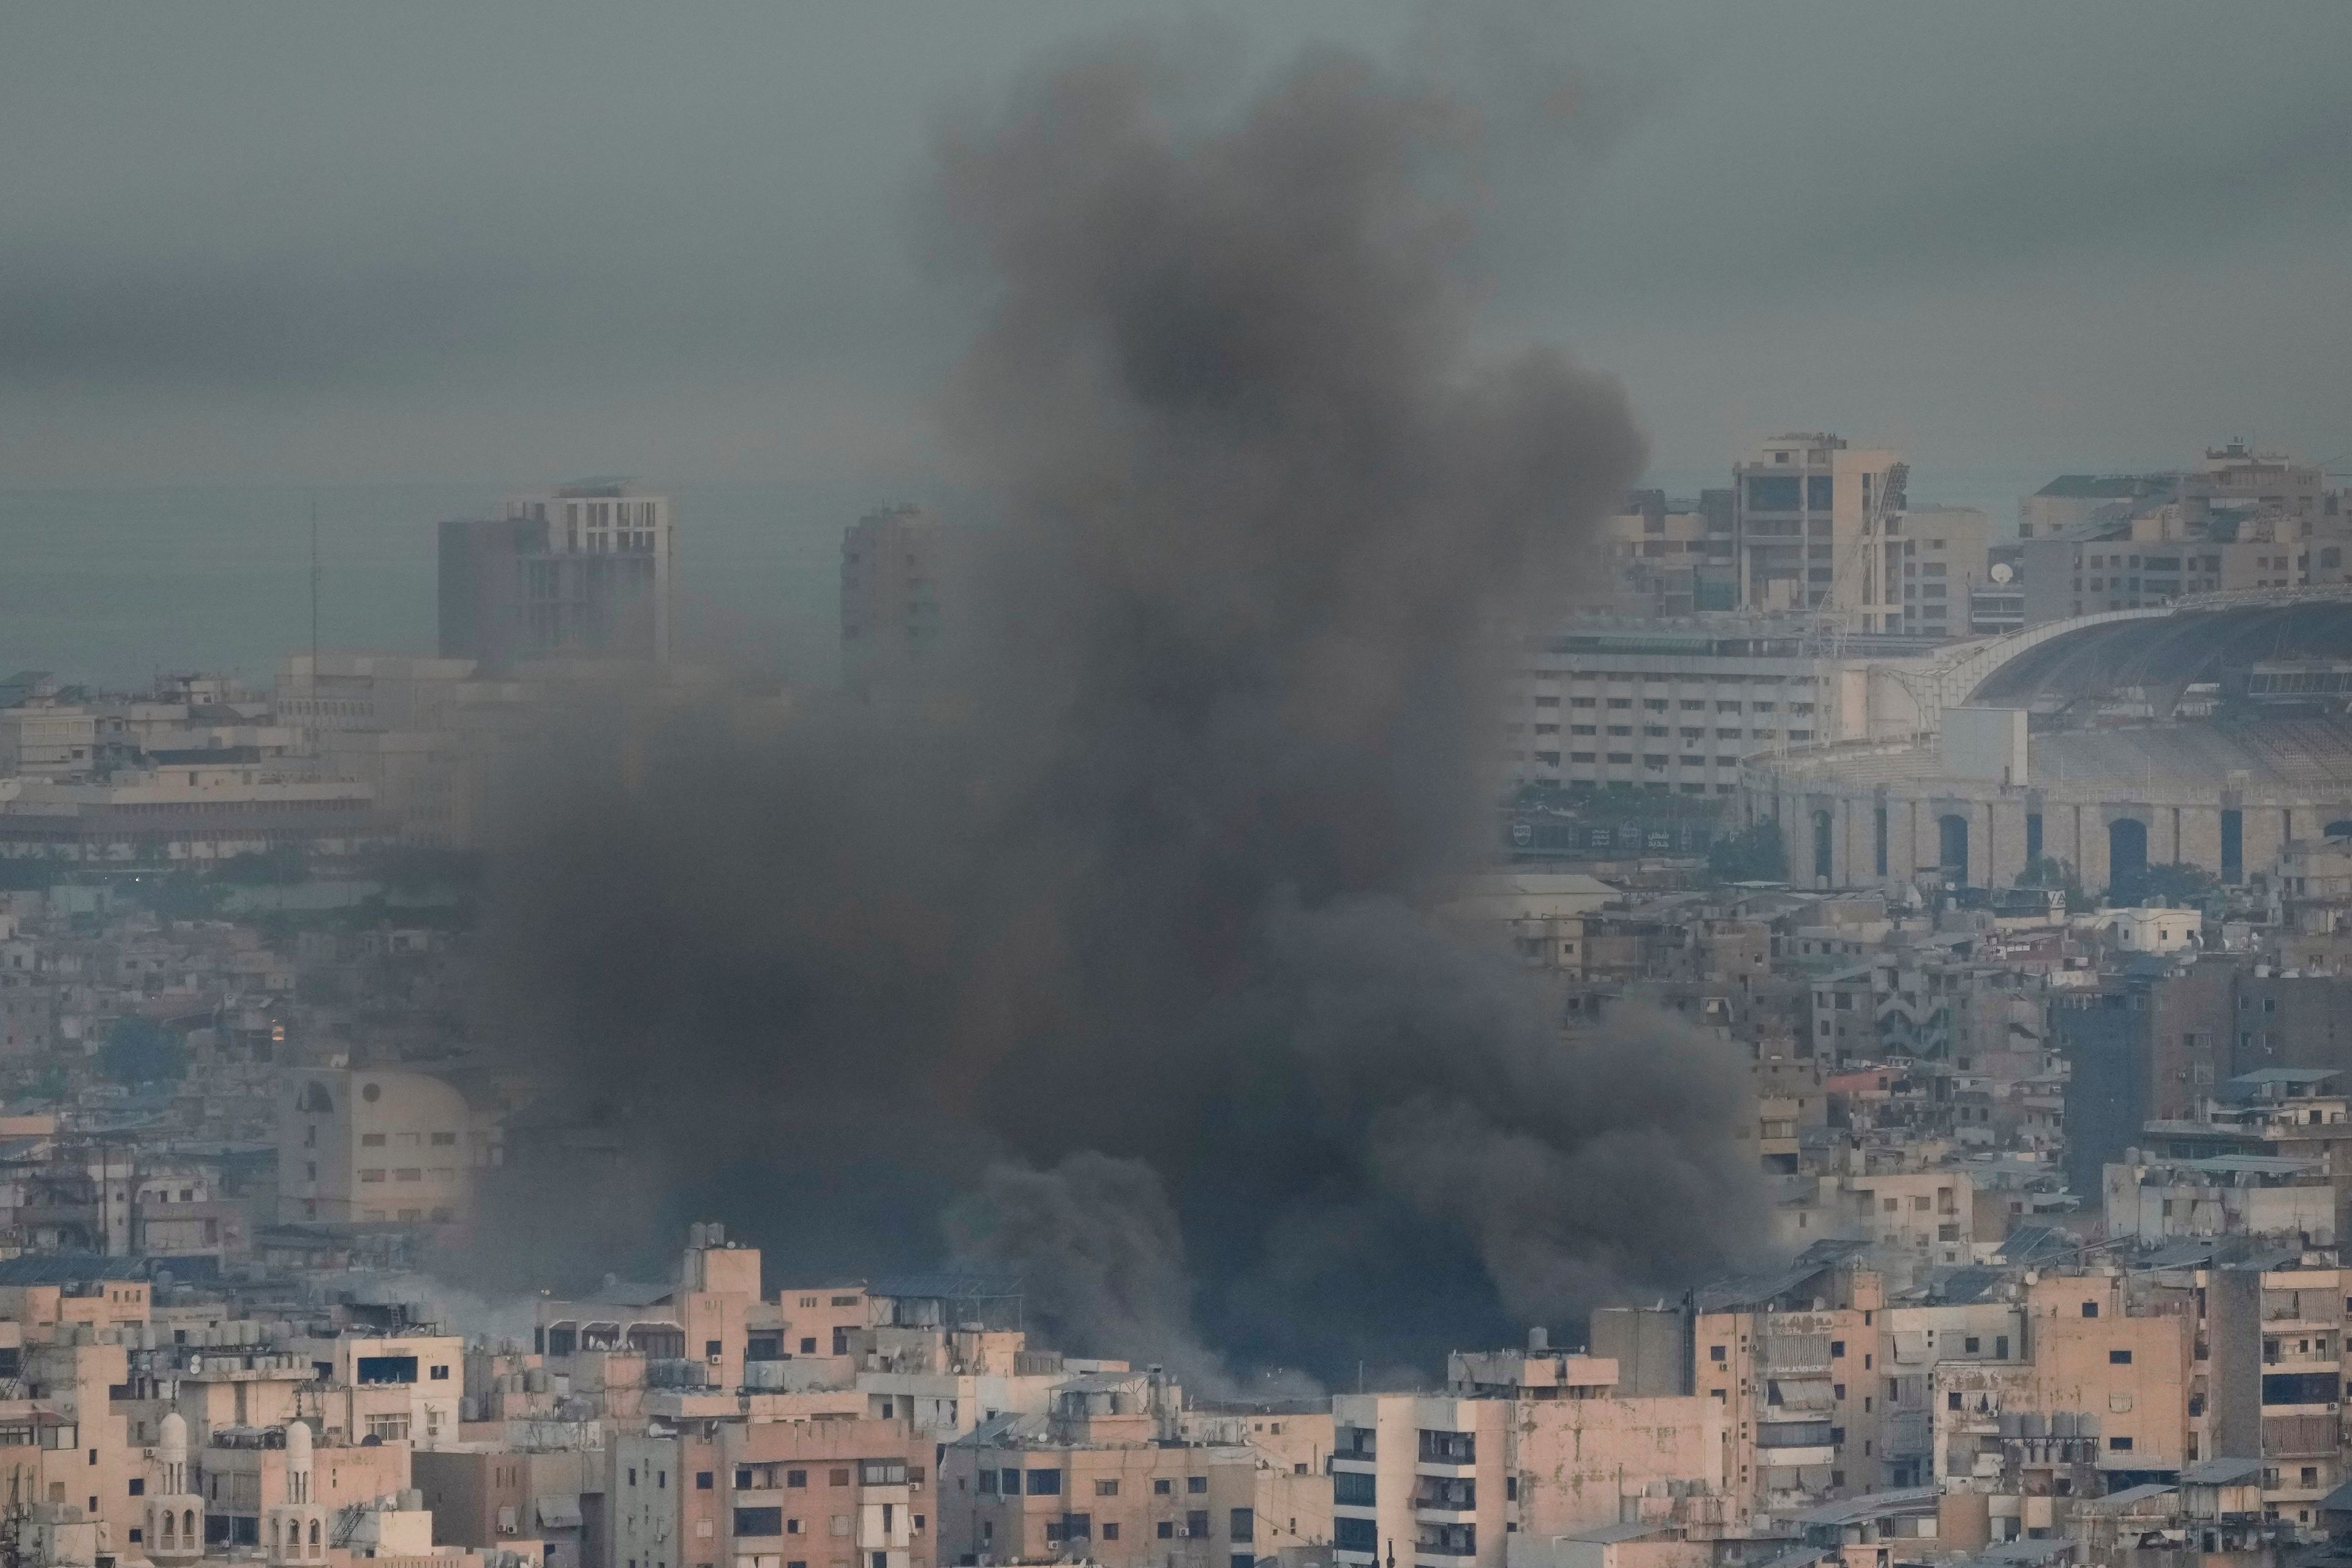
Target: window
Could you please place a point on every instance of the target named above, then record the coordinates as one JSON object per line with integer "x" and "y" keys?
{"x": 840, "y": 1478}
{"x": 758, "y": 1521}
{"x": 1168, "y": 1530}
{"x": 2119, "y": 1445}
{"x": 702, "y": 1480}
{"x": 2119, "y": 1358}
{"x": 1196, "y": 1484}
{"x": 1714, "y": 1353}
{"x": 795, "y": 1477}
{"x": 1952, "y": 1400}
{"x": 1354, "y": 1488}
{"x": 1837, "y": 1348}
{"x": 1358, "y": 1535}
{"x": 1242, "y": 1525}
{"x": 1969, "y": 1344}
{"x": 1110, "y": 1531}
{"x": 1105, "y": 1488}
{"x": 1044, "y": 1483}
{"x": 1196, "y": 1524}
{"x": 2090, "y": 1309}
{"x": 1162, "y": 1486}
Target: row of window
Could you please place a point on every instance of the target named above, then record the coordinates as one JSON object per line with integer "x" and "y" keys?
{"x": 1048, "y": 1483}
{"x": 767, "y": 1521}
{"x": 1656, "y": 732}
{"x": 1661, "y": 705}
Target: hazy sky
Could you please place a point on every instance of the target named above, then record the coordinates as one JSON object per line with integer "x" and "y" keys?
{"x": 335, "y": 242}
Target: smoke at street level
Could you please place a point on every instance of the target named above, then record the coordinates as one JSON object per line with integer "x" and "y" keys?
{"x": 1115, "y": 958}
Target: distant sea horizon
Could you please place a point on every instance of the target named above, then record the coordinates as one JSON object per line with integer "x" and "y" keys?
{"x": 110, "y": 586}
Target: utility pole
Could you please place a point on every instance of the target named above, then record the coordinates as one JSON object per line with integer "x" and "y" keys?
{"x": 314, "y": 589}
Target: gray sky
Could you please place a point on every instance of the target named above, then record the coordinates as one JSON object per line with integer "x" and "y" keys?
{"x": 319, "y": 242}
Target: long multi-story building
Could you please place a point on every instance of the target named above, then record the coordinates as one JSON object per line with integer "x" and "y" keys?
{"x": 1677, "y": 709}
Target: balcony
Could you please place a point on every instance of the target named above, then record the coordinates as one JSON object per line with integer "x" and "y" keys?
{"x": 1447, "y": 1541}
{"x": 1446, "y": 1495}
{"x": 1452, "y": 1448}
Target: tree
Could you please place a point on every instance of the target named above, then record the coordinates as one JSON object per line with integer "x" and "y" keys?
{"x": 138, "y": 1050}
{"x": 280, "y": 866}
{"x": 2179, "y": 884}
{"x": 1755, "y": 854}
{"x": 2051, "y": 871}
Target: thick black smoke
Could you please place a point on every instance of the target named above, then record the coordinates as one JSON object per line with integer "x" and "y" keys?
{"x": 1111, "y": 950}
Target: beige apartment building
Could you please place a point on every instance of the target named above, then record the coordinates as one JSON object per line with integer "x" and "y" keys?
{"x": 402, "y": 1388}
{"x": 490, "y": 1496}
{"x": 839, "y": 1493}
{"x": 1109, "y": 1476}
{"x": 1811, "y": 518}
{"x": 1801, "y": 1390}
{"x": 1523, "y": 1443}
{"x": 1944, "y": 553}
{"x": 374, "y": 1146}
{"x": 2128, "y": 1373}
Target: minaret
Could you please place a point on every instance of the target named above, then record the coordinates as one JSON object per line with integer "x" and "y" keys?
{"x": 175, "y": 1514}
{"x": 295, "y": 1534}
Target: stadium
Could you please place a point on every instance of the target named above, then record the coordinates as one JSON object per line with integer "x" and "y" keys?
{"x": 2211, "y": 732}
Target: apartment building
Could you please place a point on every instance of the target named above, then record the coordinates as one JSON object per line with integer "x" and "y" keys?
{"x": 2114, "y": 1383}
{"x": 1945, "y": 555}
{"x": 1109, "y": 1475}
{"x": 406, "y": 1387}
{"x": 905, "y": 588}
{"x": 1523, "y": 1445}
{"x": 579, "y": 572}
{"x": 1794, "y": 1361}
{"x": 1811, "y": 516}
{"x": 1421, "y": 1477}
{"x": 487, "y": 1496}
{"x": 375, "y": 1145}
{"x": 746, "y": 1493}
{"x": 1669, "y": 558}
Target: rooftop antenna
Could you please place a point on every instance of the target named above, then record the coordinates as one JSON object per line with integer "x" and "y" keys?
{"x": 314, "y": 588}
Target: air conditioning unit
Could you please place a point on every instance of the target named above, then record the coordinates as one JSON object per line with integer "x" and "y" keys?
{"x": 717, "y": 1359}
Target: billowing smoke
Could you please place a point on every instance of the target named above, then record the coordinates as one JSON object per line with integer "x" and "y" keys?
{"x": 1111, "y": 949}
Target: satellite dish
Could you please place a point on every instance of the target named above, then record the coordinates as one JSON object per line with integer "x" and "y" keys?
{"x": 2002, "y": 572}
{"x": 195, "y": 1364}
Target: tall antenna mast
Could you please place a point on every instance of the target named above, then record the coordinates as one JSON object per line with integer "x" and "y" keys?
{"x": 314, "y": 588}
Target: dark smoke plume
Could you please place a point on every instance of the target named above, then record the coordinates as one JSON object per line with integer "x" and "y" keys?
{"x": 1112, "y": 949}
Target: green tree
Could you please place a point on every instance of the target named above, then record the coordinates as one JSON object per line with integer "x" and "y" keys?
{"x": 2051, "y": 871}
{"x": 138, "y": 1050}
{"x": 282, "y": 865}
{"x": 1752, "y": 855}
{"x": 2179, "y": 884}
